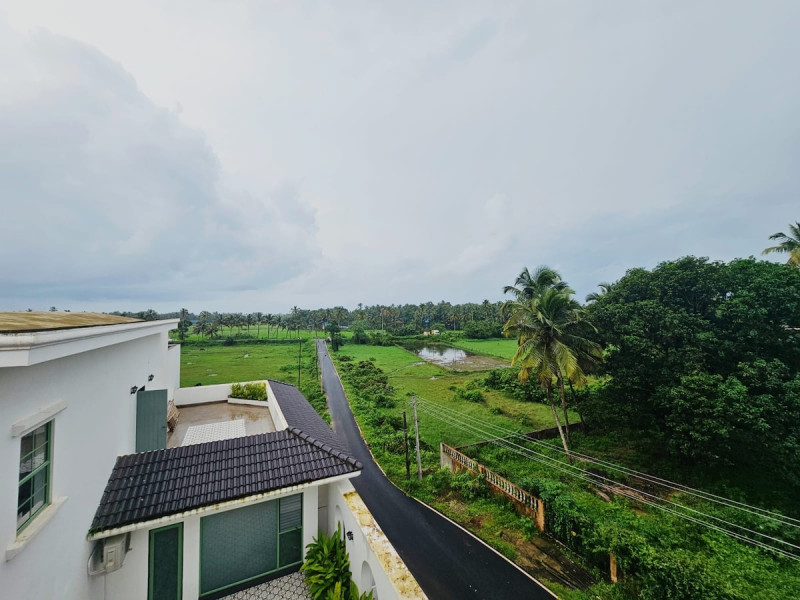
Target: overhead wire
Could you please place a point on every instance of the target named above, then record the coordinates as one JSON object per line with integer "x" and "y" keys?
{"x": 592, "y": 479}
{"x": 730, "y": 503}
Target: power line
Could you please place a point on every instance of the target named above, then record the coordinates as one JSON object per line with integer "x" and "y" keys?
{"x": 708, "y": 496}
{"x": 592, "y": 479}
{"x": 719, "y": 519}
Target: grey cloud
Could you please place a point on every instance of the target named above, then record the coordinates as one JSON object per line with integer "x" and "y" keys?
{"x": 106, "y": 196}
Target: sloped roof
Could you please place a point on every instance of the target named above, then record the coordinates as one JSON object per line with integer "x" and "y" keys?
{"x": 300, "y": 414}
{"x": 149, "y": 485}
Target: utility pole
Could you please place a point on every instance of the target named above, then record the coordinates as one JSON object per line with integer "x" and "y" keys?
{"x": 299, "y": 357}
{"x": 405, "y": 438}
{"x": 416, "y": 434}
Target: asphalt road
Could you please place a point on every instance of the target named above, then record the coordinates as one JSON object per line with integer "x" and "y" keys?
{"x": 446, "y": 561}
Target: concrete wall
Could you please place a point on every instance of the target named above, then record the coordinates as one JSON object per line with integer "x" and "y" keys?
{"x": 173, "y": 370}
{"x": 374, "y": 562}
{"x": 202, "y": 394}
{"x": 130, "y": 581}
{"x": 97, "y": 424}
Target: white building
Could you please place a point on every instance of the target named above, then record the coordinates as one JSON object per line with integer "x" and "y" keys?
{"x": 93, "y": 504}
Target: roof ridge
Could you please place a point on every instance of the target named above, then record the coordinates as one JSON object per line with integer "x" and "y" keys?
{"x": 326, "y": 448}
{"x": 283, "y": 383}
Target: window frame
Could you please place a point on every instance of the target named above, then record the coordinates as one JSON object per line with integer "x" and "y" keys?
{"x": 45, "y": 467}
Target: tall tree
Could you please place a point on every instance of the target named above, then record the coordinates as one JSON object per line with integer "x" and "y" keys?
{"x": 789, "y": 244}
{"x": 604, "y": 286}
{"x": 550, "y": 345}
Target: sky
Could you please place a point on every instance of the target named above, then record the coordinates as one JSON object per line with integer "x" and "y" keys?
{"x": 253, "y": 156}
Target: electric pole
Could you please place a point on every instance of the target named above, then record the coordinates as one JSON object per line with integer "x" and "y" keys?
{"x": 416, "y": 434}
{"x": 299, "y": 356}
{"x": 405, "y": 439}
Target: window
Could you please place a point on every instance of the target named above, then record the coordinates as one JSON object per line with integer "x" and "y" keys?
{"x": 34, "y": 474}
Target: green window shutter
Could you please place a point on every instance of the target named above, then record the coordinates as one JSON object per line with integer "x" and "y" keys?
{"x": 238, "y": 545}
{"x": 151, "y": 420}
{"x": 291, "y": 530}
{"x": 165, "y": 580}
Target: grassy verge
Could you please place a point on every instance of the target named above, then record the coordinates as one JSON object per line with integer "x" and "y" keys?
{"x": 498, "y": 347}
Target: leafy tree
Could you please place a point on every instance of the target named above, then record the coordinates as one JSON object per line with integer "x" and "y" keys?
{"x": 705, "y": 356}
{"x": 359, "y": 335}
{"x": 480, "y": 330}
{"x": 337, "y": 341}
{"x": 789, "y": 244}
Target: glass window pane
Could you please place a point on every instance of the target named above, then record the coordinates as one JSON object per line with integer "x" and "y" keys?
{"x": 33, "y": 493}
{"x": 291, "y": 547}
{"x": 23, "y": 512}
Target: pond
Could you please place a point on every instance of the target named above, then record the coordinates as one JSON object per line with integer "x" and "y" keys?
{"x": 455, "y": 358}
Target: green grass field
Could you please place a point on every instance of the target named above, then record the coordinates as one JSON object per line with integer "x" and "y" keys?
{"x": 243, "y": 362}
{"x": 497, "y": 347}
{"x": 411, "y": 375}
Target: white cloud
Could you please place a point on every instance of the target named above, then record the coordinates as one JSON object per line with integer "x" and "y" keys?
{"x": 392, "y": 153}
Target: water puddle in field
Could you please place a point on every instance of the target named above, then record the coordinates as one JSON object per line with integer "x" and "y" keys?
{"x": 455, "y": 358}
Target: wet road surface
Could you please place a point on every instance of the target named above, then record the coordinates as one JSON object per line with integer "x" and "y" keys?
{"x": 446, "y": 561}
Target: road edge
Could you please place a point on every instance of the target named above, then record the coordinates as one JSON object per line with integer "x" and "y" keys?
{"x": 428, "y": 506}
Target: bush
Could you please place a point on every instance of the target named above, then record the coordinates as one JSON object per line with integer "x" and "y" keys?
{"x": 249, "y": 391}
{"x": 470, "y": 395}
{"x": 481, "y": 330}
{"x": 507, "y": 380}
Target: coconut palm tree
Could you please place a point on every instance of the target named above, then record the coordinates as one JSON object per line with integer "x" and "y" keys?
{"x": 790, "y": 244}
{"x": 604, "y": 286}
{"x": 550, "y": 345}
{"x": 528, "y": 285}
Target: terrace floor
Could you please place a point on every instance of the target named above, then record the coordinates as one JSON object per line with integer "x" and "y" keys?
{"x": 290, "y": 587}
{"x": 218, "y": 421}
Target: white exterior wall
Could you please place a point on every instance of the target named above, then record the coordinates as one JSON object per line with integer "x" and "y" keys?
{"x": 97, "y": 425}
{"x": 391, "y": 578}
{"x": 202, "y": 394}
{"x": 130, "y": 581}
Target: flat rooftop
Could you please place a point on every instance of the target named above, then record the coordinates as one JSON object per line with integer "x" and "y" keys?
{"x": 22, "y": 322}
{"x": 215, "y": 421}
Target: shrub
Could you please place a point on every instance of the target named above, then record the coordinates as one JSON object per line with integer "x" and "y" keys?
{"x": 327, "y": 564}
{"x": 249, "y": 391}
{"x": 327, "y": 569}
{"x": 470, "y": 395}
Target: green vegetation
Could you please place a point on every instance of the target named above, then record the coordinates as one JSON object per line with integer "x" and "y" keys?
{"x": 499, "y": 348}
{"x": 327, "y": 569}
{"x": 407, "y": 375}
{"x": 789, "y": 244}
{"x": 705, "y": 357}
{"x": 208, "y": 365}
{"x": 549, "y": 326}
{"x": 249, "y": 391}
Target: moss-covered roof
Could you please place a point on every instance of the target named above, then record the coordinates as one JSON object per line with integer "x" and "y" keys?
{"x": 19, "y": 322}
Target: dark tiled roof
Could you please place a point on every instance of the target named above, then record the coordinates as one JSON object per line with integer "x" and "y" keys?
{"x": 300, "y": 414}
{"x": 155, "y": 484}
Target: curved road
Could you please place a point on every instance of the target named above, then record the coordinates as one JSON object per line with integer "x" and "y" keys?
{"x": 446, "y": 561}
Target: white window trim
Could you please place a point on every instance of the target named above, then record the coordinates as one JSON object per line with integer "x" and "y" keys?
{"x": 27, "y": 534}
{"x": 38, "y": 418}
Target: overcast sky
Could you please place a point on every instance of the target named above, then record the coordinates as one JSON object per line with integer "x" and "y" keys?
{"x": 256, "y": 155}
